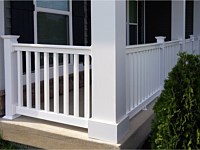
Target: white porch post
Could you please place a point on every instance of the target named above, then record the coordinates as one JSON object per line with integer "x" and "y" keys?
{"x": 10, "y": 65}
{"x": 109, "y": 121}
{"x": 196, "y": 24}
{"x": 2, "y": 28}
{"x": 161, "y": 40}
{"x": 178, "y": 20}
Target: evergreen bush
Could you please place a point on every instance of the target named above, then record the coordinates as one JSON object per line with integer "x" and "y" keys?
{"x": 177, "y": 112}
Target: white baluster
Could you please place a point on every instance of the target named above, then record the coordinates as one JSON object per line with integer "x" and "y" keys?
{"x": 135, "y": 88}
{"x": 76, "y": 85}
{"x": 37, "y": 80}
{"x": 66, "y": 84}
{"x": 139, "y": 78}
{"x": 20, "y": 83}
{"x": 132, "y": 101}
{"x": 127, "y": 83}
{"x": 56, "y": 83}
{"x": 87, "y": 86}
{"x": 46, "y": 81}
{"x": 143, "y": 75}
{"x": 28, "y": 80}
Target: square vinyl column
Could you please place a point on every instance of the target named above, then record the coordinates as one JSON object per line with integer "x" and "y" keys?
{"x": 2, "y": 28}
{"x": 178, "y": 20}
{"x": 196, "y": 23}
{"x": 109, "y": 121}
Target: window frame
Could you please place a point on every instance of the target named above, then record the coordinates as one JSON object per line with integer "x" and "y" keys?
{"x": 53, "y": 11}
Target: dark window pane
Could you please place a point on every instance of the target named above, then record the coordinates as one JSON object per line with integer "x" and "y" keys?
{"x": 133, "y": 11}
{"x": 141, "y": 22}
{"x": 53, "y": 29}
{"x": 132, "y": 34}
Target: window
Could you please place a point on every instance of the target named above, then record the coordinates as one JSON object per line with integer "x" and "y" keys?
{"x": 132, "y": 22}
{"x": 52, "y": 22}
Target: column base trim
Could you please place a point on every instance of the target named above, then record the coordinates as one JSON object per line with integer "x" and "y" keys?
{"x": 11, "y": 117}
{"x": 107, "y": 131}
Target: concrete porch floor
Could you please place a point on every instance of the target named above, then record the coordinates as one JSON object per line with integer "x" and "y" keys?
{"x": 51, "y": 135}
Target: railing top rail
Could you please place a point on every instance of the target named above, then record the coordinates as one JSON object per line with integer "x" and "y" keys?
{"x": 142, "y": 47}
{"x": 175, "y": 41}
{"x": 170, "y": 43}
{"x": 145, "y": 47}
{"x": 81, "y": 50}
{"x": 188, "y": 40}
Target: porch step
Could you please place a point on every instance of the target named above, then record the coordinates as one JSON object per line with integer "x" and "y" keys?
{"x": 50, "y": 135}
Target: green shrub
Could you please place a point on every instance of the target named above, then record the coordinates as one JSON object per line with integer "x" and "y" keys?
{"x": 177, "y": 112}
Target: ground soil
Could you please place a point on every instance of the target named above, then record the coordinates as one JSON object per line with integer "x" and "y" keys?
{"x": 147, "y": 144}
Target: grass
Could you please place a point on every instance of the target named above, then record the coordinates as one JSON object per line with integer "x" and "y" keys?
{"x": 7, "y": 145}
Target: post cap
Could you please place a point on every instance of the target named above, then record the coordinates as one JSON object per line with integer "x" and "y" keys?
{"x": 160, "y": 39}
{"x": 10, "y": 36}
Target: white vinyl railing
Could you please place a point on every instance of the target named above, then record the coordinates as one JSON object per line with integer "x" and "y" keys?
{"x": 57, "y": 108}
{"x": 34, "y": 89}
{"x": 142, "y": 74}
{"x": 169, "y": 56}
{"x": 192, "y": 45}
{"x": 189, "y": 45}
{"x": 51, "y": 70}
{"x": 196, "y": 45}
{"x": 147, "y": 66}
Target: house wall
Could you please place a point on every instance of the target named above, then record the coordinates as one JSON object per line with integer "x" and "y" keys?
{"x": 7, "y": 17}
